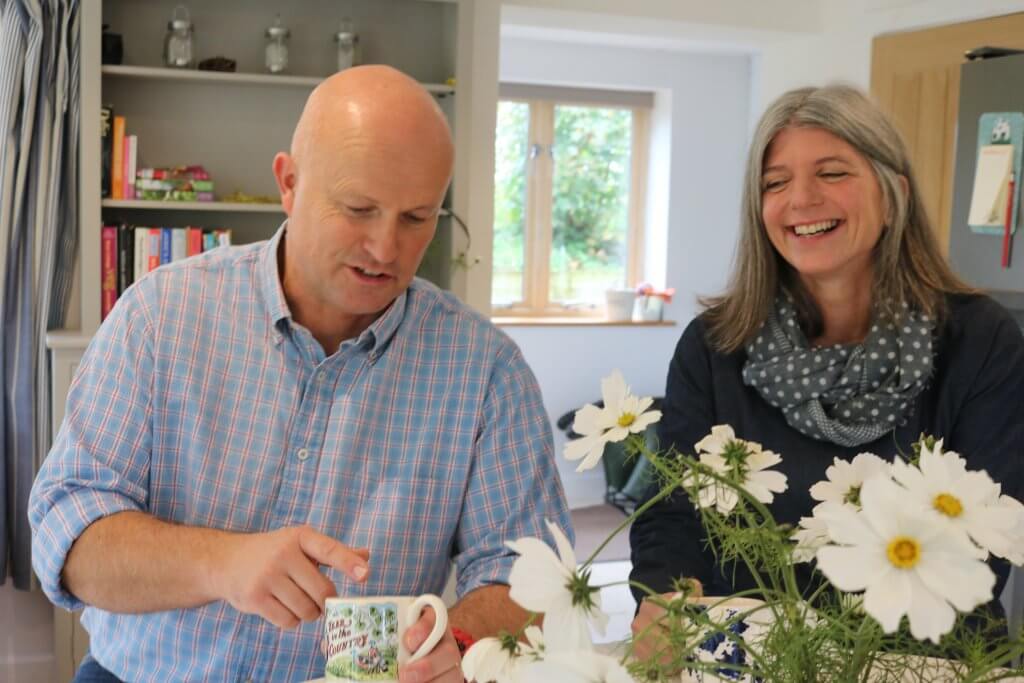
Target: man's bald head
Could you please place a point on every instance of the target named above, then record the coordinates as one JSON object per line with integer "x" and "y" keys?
{"x": 374, "y": 104}
{"x": 363, "y": 186}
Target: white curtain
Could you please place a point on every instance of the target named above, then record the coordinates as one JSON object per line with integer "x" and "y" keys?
{"x": 38, "y": 235}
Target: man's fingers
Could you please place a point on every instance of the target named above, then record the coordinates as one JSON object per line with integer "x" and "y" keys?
{"x": 440, "y": 666}
{"x": 326, "y": 550}
{"x": 418, "y": 632}
{"x": 295, "y": 599}
{"x": 308, "y": 577}
{"x": 277, "y": 614}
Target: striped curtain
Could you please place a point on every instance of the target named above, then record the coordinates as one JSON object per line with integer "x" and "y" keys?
{"x": 39, "y": 46}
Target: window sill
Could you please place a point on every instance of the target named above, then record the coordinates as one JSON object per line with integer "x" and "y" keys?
{"x": 511, "y": 321}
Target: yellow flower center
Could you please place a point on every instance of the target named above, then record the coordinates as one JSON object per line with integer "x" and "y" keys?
{"x": 948, "y": 505}
{"x": 904, "y": 552}
{"x": 626, "y": 419}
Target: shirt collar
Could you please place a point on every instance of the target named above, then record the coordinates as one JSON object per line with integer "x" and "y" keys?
{"x": 376, "y": 337}
{"x": 270, "y": 278}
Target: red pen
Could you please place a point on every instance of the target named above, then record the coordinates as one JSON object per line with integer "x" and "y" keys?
{"x": 1008, "y": 223}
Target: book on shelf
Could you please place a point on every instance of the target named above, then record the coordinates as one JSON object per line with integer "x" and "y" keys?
{"x": 125, "y": 257}
{"x": 128, "y": 252}
{"x": 131, "y": 150}
{"x": 108, "y": 269}
{"x": 117, "y": 160}
{"x": 106, "y": 148}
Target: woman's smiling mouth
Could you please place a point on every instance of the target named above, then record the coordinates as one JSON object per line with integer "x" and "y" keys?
{"x": 818, "y": 228}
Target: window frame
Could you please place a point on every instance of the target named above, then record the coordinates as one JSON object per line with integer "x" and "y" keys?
{"x": 538, "y": 202}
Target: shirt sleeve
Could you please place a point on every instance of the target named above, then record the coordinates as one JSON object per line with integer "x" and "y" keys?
{"x": 668, "y": 541}
{"x": 99, "y": 462}
{"x": 513, "y": 483}
{"x": 989, "y": 427}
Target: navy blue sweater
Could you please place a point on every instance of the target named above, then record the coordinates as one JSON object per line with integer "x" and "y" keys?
{"x": 975, "y": 401}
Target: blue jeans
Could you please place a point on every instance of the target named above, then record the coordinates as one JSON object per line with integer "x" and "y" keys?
{"x": 92, "y": 672}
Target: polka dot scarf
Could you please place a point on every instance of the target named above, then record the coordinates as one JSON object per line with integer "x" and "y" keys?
{"x": 847, "y": 394}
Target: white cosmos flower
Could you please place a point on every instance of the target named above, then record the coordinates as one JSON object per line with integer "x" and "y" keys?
{"x": 623, "y": 414}
{"x": 542, "y": 581}
{"x": 844, "y": 479}
{"x": 969, "y": 501}
{"x": 811, "y": 535}
{"x": 903, "y": 561}
{"x": 574, "y": 667}
{"x": 743, "y": 463}
{"x": 498, "y": 659}
{"x": 488, "y": 660}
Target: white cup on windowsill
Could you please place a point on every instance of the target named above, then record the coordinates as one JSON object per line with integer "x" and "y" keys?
{"x": 619, "y": 304}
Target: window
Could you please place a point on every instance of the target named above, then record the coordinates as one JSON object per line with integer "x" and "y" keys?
{"x": 568, "y": 198}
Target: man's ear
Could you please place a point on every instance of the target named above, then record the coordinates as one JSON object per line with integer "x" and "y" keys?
{"x": 285, "y": 175}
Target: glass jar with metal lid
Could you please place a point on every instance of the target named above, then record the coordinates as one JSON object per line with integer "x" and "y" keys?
{"x": 179, "y": 48}
{"x": 348, "y": 45}
{"x": 276, "y": 52}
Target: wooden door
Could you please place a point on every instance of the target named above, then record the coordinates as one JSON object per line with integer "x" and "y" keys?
{"x": 915, "y": 77}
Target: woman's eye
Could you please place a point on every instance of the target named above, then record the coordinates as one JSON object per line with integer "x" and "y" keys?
{"x": 772, "y": 185}
{"x": 360, "y": 210}
{"x": 834, "y": 174}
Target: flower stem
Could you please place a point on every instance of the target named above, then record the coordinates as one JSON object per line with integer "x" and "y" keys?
{"x": 629, "y": 520}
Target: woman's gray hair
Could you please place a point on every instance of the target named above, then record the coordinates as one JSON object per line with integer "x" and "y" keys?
{"x": 908, "y": 264}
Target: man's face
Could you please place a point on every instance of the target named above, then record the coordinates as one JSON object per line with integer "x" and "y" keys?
{"x": 359, "y": 223}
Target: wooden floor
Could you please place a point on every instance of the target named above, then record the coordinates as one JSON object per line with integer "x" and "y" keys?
{"x": 593, "y": 525}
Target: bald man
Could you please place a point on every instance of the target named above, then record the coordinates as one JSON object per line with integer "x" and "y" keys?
{"x": 258, "y": 428}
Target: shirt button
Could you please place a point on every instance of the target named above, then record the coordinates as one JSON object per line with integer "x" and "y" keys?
{"x": 321, "y": 376}
{"x": 302, "y": 454}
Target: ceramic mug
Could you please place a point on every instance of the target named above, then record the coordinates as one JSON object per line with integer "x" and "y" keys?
{"x": 364, "y": 637}
{"x": 748, "y": 619}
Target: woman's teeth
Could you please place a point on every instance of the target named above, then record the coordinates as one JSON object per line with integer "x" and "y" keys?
{"x": 815, "y": 228}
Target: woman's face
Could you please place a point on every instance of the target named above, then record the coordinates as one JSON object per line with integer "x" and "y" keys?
{"x": 822, "y": 206}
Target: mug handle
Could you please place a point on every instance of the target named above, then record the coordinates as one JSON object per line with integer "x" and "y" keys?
{"x": 440, "y": 622}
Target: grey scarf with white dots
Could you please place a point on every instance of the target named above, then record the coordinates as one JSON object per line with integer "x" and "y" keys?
{"x": 847, "y": 394}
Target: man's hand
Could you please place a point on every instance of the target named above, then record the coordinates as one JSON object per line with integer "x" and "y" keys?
{"x": 441, "y": 665}
{"x": 276, "y": 574}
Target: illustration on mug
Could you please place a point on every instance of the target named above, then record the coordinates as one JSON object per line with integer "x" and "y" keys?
{"x": 362, "y": 642}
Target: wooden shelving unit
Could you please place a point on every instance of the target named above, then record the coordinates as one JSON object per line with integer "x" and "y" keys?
{"x": 235, "y": 207}
{"x": 274, "y": 80}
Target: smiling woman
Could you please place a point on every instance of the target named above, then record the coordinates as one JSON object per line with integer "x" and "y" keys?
{"x": 843, "y": 330}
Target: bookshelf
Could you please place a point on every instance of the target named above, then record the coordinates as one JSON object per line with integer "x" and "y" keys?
{"x": 274, "y": 80}
{"x": 234, "y": 123}
{"x": 149, "y": 205}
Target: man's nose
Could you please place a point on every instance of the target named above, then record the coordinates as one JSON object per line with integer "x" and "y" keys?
{"x": 382, "y": 241}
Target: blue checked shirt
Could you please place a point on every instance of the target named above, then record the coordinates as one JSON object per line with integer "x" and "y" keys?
{"x": 201, "y": 402}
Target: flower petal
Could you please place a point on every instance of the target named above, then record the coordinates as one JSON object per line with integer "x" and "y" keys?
{"x": 930, "y": 616}
{"x": 565, "y": 551}
{"x": 566, "y": 629}
{"x": 645, "y": 420}
{"x": 887, "y": 598}
{"x": 846, "y": 525}
{"x": 716, "y": 440}
{"x": 589, "y": 448}
{"x": 591, "y": 420}
{"x": 850, "y": 568}
{"x": 614, "y": 391}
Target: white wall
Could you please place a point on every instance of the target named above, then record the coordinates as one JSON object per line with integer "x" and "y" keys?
{"x": 26, "y": 636}
{"x": 842, "y": 51}
{"x": 705, "y": 99}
